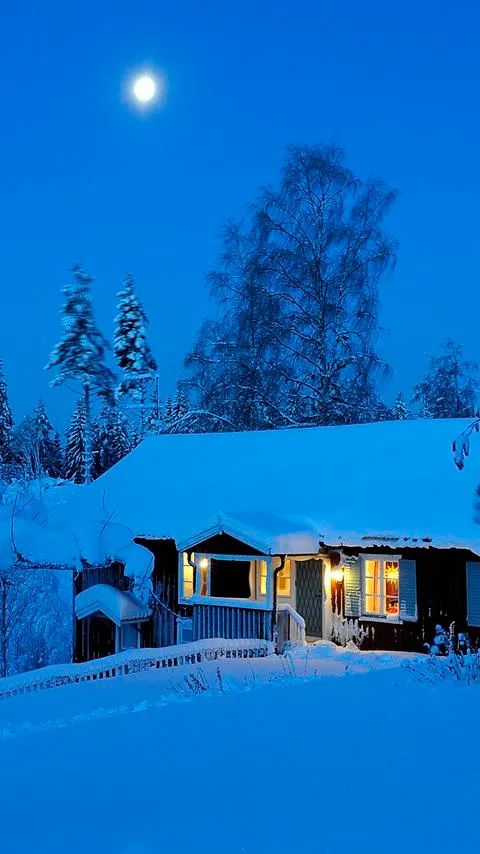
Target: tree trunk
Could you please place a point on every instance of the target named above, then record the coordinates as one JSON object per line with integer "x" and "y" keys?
{"x": 88, "y": 438}
{"x": 3, "y": 627}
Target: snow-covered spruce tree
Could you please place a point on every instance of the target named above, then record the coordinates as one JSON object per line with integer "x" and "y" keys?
{"x": 154, "y": 419}
{"x": 75, "y": 447}
{"x": 178, "y": 420}
{"x": 6, "y": 421}
{"x": 111, "y": 440}
{"x": 54, "y": 460}
{"x": 132, "y": 350}
{"x": 80, "y": 354}
{"x": 48, "y": 442}
{"x": 400, "y": 410}
{"x": 34, "y": 446}
{"x": 449, "y": 387}
{"x": 297, "y": 294}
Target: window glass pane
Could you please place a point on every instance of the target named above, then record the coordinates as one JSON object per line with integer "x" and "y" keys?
{"x": 263, "y": 578}
{"x": 230, "y": 578}
{"x": 187, "y": 578}
{"x": 373, "y": 604}
{"x": 202, "y": 564}
{"x": 372, "y": 581}
{"x": 283, "y": 580}
{"x": 391, "y": 586}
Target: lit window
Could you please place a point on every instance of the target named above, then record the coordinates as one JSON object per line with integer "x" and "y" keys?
{"x": 380, "y": 577}
{"x": 203, "y": 566}
{"x": 283, "y": 580}
{"x": 187, "y": 577}
{"x": 263, "y": 578}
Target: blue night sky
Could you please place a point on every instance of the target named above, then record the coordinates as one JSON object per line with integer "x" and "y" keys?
{"x": 85, "y": 177}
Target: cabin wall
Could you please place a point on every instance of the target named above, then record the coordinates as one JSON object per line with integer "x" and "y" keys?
{"x": 164, "y": 578}
{"x": 114, "y": 574}
{"x": 441, "y": 599}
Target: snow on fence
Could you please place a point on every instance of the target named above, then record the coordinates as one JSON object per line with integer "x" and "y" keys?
{"x": 132, "y": 661}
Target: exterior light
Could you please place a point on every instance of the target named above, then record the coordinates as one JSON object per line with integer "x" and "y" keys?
{"x": 338, "y": 574}
{"x": 204, "y": 563}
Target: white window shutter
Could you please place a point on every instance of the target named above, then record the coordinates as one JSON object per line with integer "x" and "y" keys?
{"x": 408, "y": 590}
{"x": 353, "y": 589}
{"x": 473, "y": 593}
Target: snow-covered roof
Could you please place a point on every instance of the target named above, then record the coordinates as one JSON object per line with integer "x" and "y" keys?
{"x": 389, "y": 483}
{"x": 118, "y": 605}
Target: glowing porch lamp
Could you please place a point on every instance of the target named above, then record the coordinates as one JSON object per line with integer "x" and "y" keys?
{"x": 338, "y": 574}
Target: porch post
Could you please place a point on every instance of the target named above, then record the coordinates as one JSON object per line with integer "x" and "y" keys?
{"x": 118, "y": 630}
{"x": 269, "y": 591}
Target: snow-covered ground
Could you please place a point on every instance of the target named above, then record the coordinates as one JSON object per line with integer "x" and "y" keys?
{"x": 325, "y": 751}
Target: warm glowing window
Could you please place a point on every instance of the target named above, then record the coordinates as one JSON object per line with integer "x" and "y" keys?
{"x": 283, "y": 580}
{"x": 188, "y": 590}
{"x": 263, "y": 578}
{"x": 380, "y": 584}
{"x": 203, "y": 566}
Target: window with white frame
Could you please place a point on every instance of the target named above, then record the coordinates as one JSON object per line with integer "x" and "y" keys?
{"x": 380, "y": 585}
{"x": 283, "y": 579}
{"x": 222, "y": 576}
{"x": 188, "y": 576}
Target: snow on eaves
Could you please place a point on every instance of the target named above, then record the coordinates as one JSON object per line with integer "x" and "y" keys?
{"x": 392, "y": 483}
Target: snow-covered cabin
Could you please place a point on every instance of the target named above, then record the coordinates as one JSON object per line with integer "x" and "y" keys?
{"x": 360, "y": 532}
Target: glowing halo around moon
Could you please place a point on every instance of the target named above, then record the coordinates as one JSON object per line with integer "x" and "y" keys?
{"x": 147, "y": 89}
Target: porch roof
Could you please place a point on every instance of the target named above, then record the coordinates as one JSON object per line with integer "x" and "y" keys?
{"x": 118, "y": 605}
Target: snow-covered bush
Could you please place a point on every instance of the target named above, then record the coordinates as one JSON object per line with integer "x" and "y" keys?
{"x": 450, "y": 656}
{"x": 347, "y": 630}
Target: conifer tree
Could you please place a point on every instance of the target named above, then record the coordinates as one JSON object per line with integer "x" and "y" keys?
{"x": 111, "y": 441}
{"x": 45, "y": 439}
{"x": 154, "y": 419}
{"x": 80, "y": 354}
{"x": 6, "y": 421}
{"x": 55, "y": 461}
{"x": 131, "y": 348}
{"x": 176, "y": 420}
{"x": 75, "y": 446}
{"x": 400, "y": 410}
{"x": 168, "y": 413}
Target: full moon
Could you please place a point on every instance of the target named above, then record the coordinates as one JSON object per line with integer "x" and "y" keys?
{"x": 144, "y": 88}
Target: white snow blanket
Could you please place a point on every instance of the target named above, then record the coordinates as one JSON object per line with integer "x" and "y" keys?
{"x": 286, "y": 490}
{"x": 260, "y": 756}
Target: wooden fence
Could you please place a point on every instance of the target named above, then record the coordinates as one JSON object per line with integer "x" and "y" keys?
{"x": 132, "y": 661}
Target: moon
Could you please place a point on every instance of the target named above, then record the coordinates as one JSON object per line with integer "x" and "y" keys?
{"x": 145, "y": 88}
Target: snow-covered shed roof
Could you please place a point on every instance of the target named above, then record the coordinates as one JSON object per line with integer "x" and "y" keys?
{"x": 118, "y": 605}
{"x": 287, "y": 490}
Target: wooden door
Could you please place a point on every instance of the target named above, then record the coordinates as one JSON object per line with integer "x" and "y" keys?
{"x": 309, "y": 595}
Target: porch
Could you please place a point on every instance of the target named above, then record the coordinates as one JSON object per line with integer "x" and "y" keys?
{"x": 233, "y": 588}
